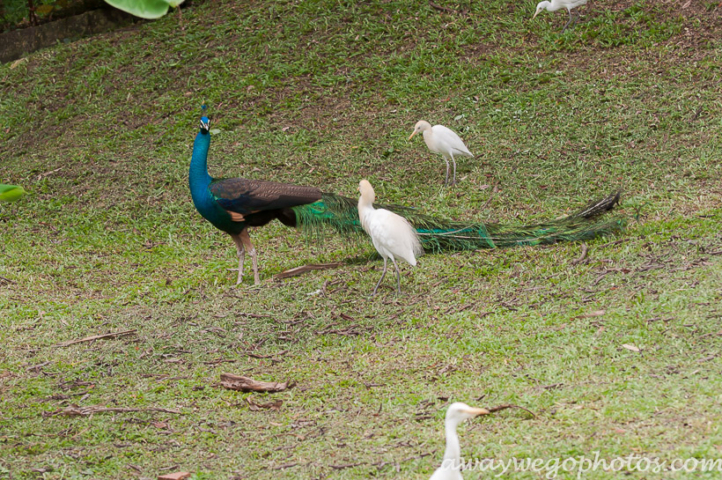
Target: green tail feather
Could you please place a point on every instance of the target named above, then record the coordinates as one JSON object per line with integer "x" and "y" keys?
{"x": 341, "y": 214}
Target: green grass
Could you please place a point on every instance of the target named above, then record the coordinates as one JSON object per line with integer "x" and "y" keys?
{"x": 325, "y": 93}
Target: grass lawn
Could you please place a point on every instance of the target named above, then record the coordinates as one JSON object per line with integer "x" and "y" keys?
{"x": 618, "y": 353}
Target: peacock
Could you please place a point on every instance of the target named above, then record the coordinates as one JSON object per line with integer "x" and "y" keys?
{"x": 234, "y": 204}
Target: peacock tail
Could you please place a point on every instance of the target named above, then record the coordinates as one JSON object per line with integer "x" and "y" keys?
{"x": 436, "y": 234}
{"x": 334, "y": 211}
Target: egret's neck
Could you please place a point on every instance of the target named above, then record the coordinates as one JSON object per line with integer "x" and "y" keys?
{"x": 198, "y": 177}
{"x": 365, "y": 202}
{"x": 453, "y": 449}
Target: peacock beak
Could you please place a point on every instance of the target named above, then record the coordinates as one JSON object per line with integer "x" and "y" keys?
{"x": 412, "y": 134}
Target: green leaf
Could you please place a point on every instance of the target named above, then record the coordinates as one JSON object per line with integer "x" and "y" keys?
{"x": 44, "y": 9}
{"x": 11, "y": 193}
{"x": 150, "y": 9}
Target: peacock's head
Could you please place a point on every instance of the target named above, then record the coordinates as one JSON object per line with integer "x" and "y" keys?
{"x": 205, "y": 124}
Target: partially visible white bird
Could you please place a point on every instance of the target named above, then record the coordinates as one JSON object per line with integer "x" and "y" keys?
{"x": 450, "y": 468}
{"x": 392, "y": 235}
{"x": 442, "y": 140}
{"x": 555, "y": 5}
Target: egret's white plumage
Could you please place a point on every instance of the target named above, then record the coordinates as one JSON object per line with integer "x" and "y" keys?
{"x": 442, "y": 140}
{"x": 555, "y": 5}
{"x": 392, "y": 235}
{"x": 450, "y": 467}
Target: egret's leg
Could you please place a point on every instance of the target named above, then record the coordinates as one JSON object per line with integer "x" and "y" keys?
{"x": 398, "y": 276}
{"x": 576, "y": 19}
{"x": 453, "y": 182}
{"x": 570, "y": 21}
{"x": 241, "y": 256}
{"x": 380, "y": 279}
{"x": 246, "y": 239}
{"x": 446, "y": 180}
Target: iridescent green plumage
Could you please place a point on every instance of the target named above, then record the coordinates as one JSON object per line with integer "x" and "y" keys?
{"x": 436, "y": 234}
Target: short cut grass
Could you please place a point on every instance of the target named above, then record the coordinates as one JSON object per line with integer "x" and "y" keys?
{"x": 616, "y": 353}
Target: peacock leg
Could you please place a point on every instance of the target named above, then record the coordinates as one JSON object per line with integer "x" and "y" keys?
{"x": 241, "y": 256}
{"x": 398, "y": 276}
{"x": 446, "y": 181}
{"x": 246, "y": 239}
{"x": 380, "y": 279}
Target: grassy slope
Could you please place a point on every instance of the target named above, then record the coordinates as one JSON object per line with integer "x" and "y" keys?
{"x": 325, "y": 93}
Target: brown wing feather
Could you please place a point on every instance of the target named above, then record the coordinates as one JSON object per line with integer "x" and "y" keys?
{"x": 247, "y": 196}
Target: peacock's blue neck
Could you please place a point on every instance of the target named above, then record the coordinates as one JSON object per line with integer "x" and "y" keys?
{"x": 199, "y": 181}
{"x": 198, "y": 177}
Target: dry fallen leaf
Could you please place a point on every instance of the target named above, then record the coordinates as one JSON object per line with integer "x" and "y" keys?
{"x": 631, "y": 347}
{"x": 597, "y": 313}
{"x": 258, "y": 406}
{"x": 174, "y": 476}
{"x": 17, "y": 62}
{"x": 246, "y": 384}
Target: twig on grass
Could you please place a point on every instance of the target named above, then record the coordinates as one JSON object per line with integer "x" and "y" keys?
{"x": 346, "y": 465}
{"x": 491, "y": 196}
{"x": 96, "y": 337}
{"x": 283, "y": 467}
{"x": 442, "y": 9}
{"x": 306, "y": 268}
{"x": 75, "y": 411}
{"x": 583, "y": 256}
{"x": 256, "y": 355}
{"x": 504, "y": 407}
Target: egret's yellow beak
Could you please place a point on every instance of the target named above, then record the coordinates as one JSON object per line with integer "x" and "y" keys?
{"x": 478, "y": 411}
{"x": 537, "y": 13}
{"x": 412, "y": 134}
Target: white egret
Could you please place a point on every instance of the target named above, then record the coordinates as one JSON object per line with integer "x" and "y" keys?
{"x": 392, "y": 235}
{"x": 555, "y": 5}
{"x": 442, "y": 140}
{"x": 450, "y": 468}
